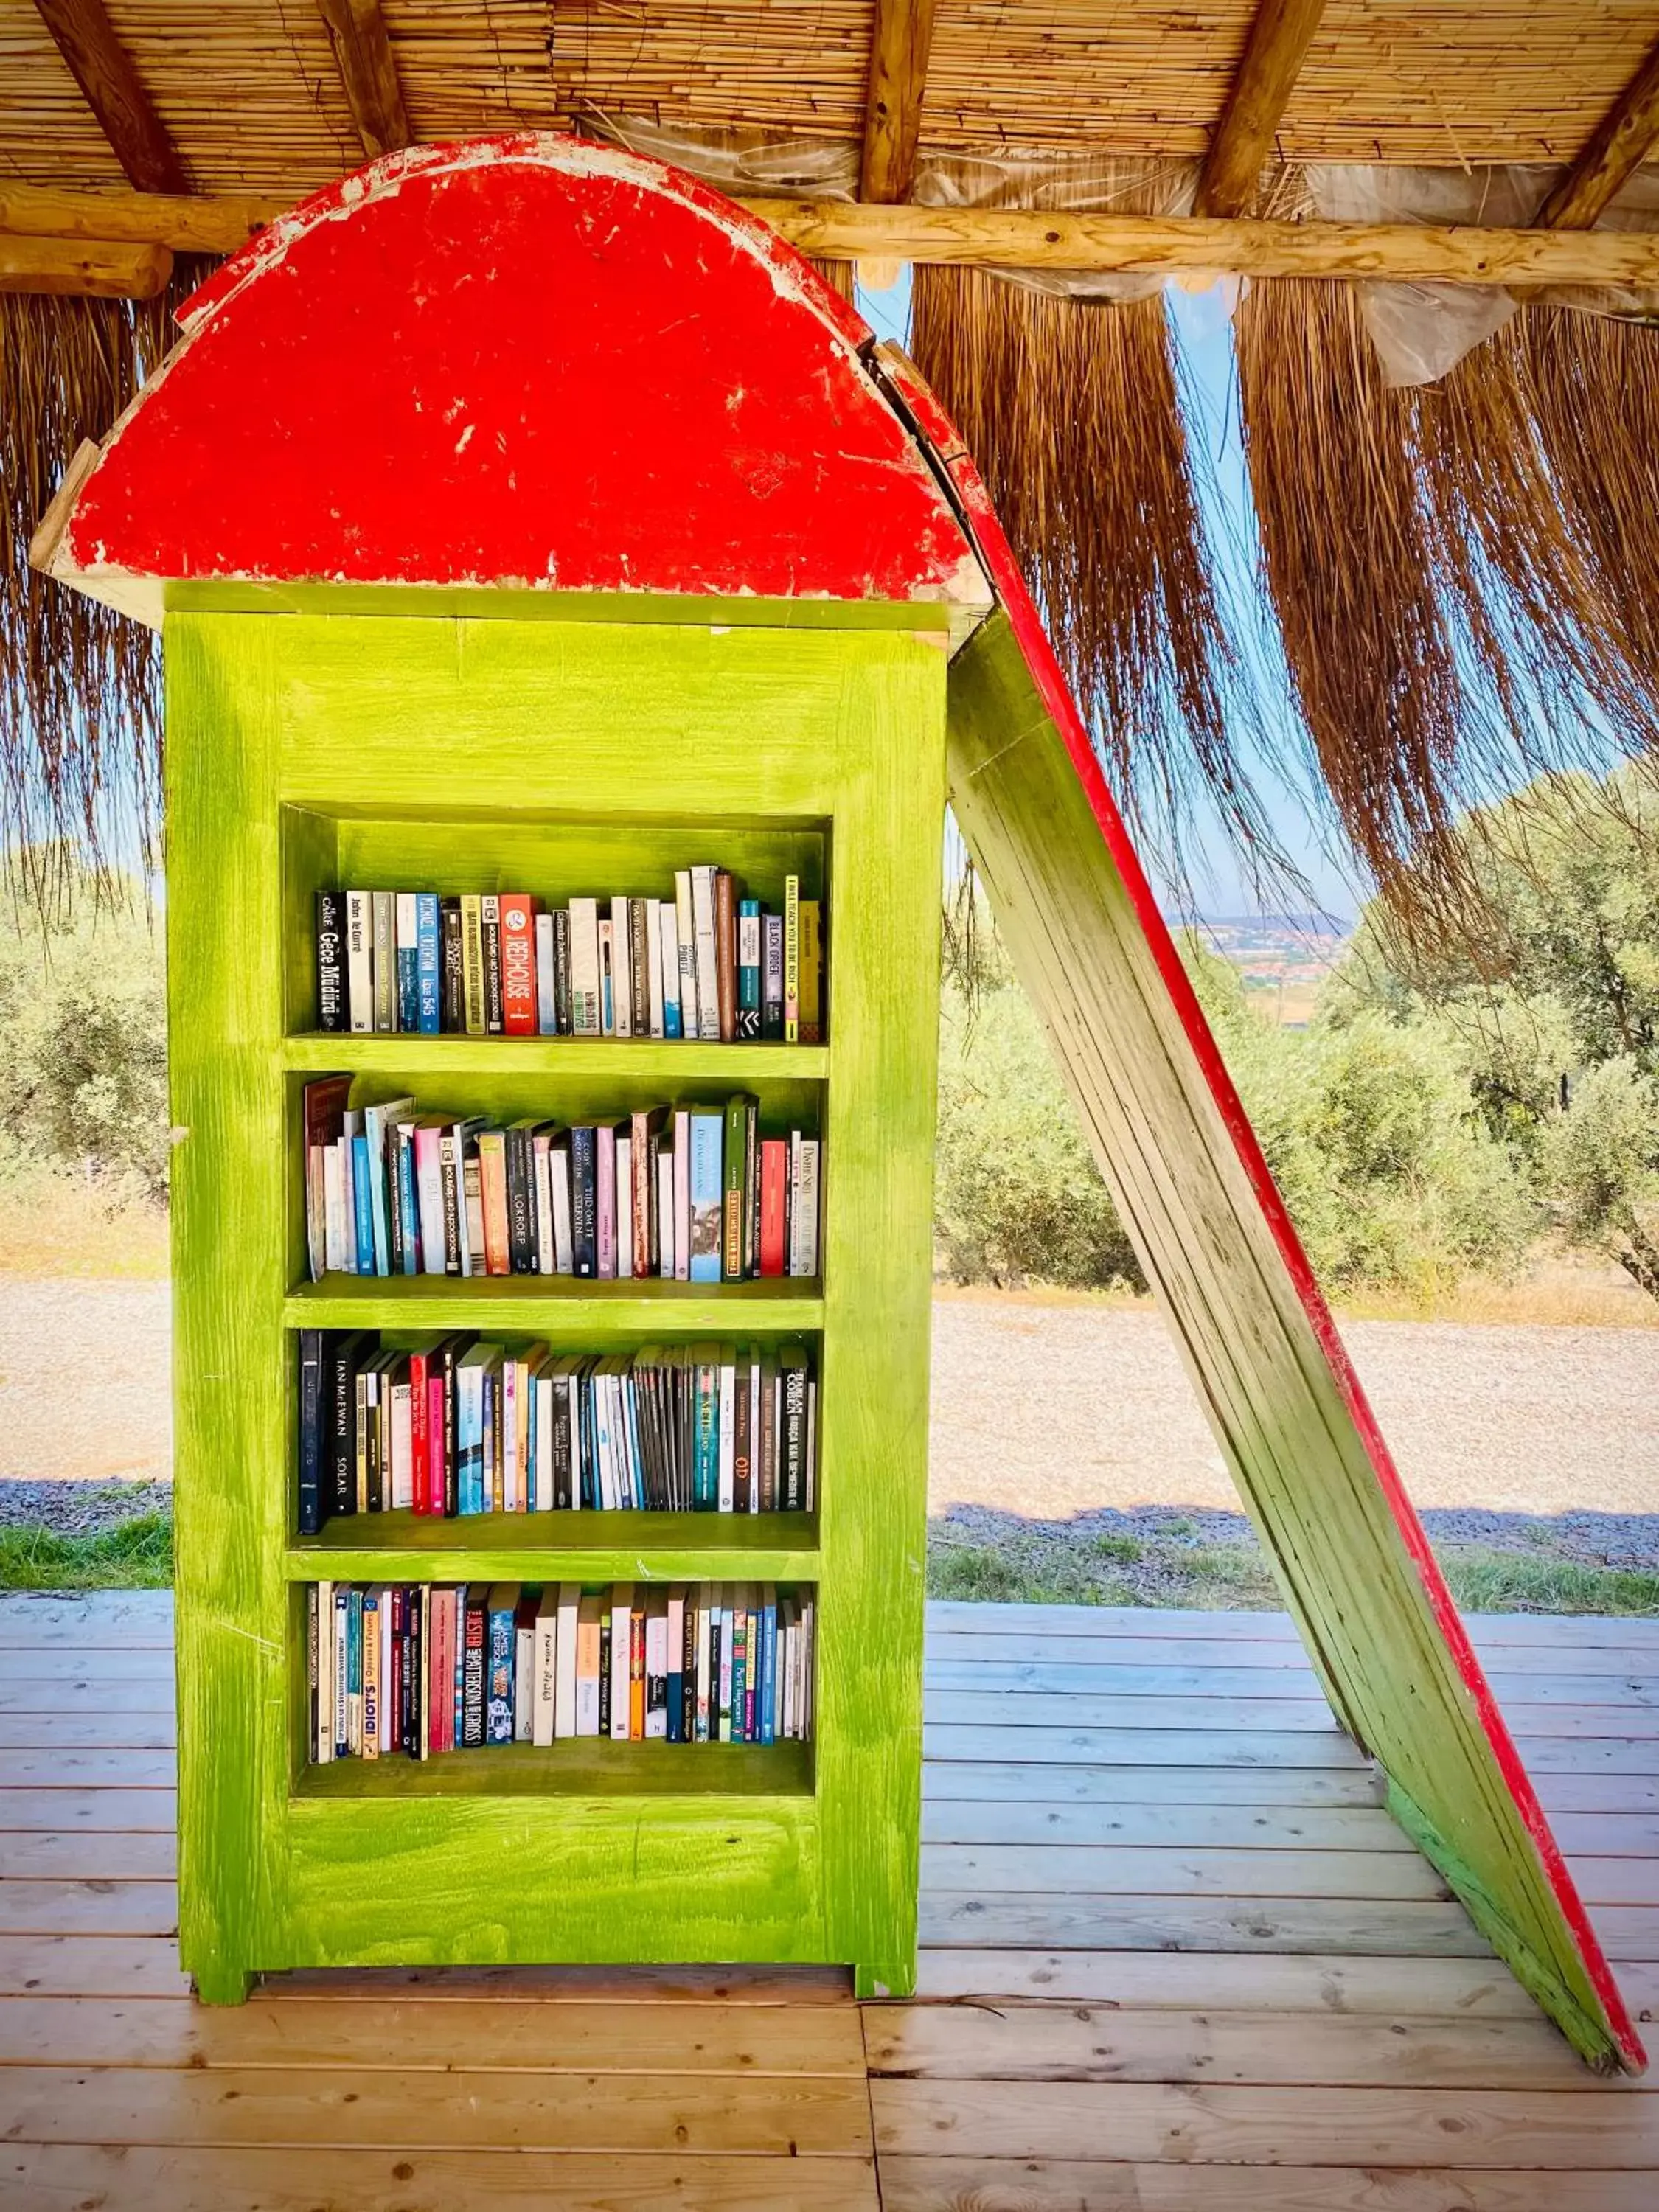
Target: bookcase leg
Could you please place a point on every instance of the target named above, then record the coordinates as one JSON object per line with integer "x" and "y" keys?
{"x": 221, "y": 1983}
{"x": 893, "y": 1978}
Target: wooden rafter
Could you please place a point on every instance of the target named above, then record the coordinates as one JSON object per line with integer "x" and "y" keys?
{"x": 996, "y": 237}
{"x": 93, "y": 268}
{"x": 1619, "y": 145}
{"x": 356, "y": 29}
{"x": 1278, "y": 45}
{"x": 115, "y": 93}
{"x": 900, "y": 44}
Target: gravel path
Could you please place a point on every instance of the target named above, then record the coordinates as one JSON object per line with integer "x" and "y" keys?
{"x": 1046, "y": 1410}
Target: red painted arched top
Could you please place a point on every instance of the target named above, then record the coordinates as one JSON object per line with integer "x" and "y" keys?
{"x": 525, "y": 361}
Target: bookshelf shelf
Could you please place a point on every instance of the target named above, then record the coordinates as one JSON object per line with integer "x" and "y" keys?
{"x": 561, "y": 1547}
{"x": 584, "y": 1767}
{"x": 306, "y": 752}
{"x": 647, "y": 1065}
{"x": 572, "y": 1306}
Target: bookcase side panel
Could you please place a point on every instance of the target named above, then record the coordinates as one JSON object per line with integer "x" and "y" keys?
{"x": 883, "y": 956}
{"x": 224, "y": 988}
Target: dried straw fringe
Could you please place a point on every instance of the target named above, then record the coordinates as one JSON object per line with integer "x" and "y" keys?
{"x": 1450, "y": 621}
{"x": 1072, "y": 411}
{"x": 80, "y": 685}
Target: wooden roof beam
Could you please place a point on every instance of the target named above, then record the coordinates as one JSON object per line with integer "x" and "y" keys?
{"x": 900, "y": 45}
{"x": 114, "y": 90}
{"x": 1620, "y": 143}
{"x": 357, "y": 31}
{"x": 1274, "y": 54}
{"x": 1025, "y": 238}
{"x": 87, "y": 268}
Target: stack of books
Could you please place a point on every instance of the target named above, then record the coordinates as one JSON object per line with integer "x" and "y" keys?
{"x": 694, "y": 1194}
{"x": 450, "y": 1425}
{"x": 422, "y": 1670}
{"x": 707, "y": 962}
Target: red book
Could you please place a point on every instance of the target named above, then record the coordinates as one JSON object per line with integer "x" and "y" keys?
{"x": 419, "y": 1423}
{"x": 518, "y": 964}
{"x": 437, "y": 1416}
{"x": 774, "y": 1178}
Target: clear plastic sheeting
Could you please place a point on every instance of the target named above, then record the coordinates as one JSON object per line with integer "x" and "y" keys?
{"x": 1421, "y": 332}
{"x": 747, "y": 161}
{"x": 1062, "y": 183}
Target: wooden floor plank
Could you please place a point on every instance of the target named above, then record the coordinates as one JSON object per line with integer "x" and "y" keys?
{"x": 75, "y": 2178}
{"x": 979, "y": 1740}
{"x": 128, "y": 1620}
{"x": 87, "y": 1908}
{"x": 1051, "y": 2184}
{"x": 989, "y": 1870}
{"x": 949, "y": 1779}
{"x": 1619, "y": 1632}
{"x": 59, "y": 1768}
{"x": 1249, "y": 1685}
{"x": 91, "y": 1966}
{"x": 1146, "y": 1647}
{"x": 70, "y": 1695}
{"x": 1256, "y": 1828}
{"x": 1058, "y": 2042}
{"x": 90, "y": 1855}
{"x": 87, "y": 1808}
{"x": 1358, "y": 1927}
{"x": 783, "y": 2115}
{"x": 60, "y": 1662}
{"x": 994, "y": 1710}
{"x": 694, "y": 1985}
{"x": 1332, "y": 1983}
{"x": 1553, "y": 2130}
{"x": 86, "y": 1731}
{"x": 490, "y": 2035}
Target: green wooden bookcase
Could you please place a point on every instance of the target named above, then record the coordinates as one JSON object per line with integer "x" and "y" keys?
{"x": 553, "y": 756}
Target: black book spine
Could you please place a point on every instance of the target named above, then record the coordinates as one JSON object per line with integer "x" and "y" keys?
{"x": 452, "y": 1004}
{"x": 413, "y": 1668}
{"x": 584, "y": 1200}
{"x": 794, "y": 1439}
{"x": 343, "y": 1424}
{"x": 449, "y": 1177}
{"x": 604, "y": 1669}
{"x": 451, "y": 1354}
{"x": 563, "y": 1385}
{"x": 310, "y": 1432}
{"x": 562, "y": 1014}
{"x": 495, "y": 1019}
{"x": 332, "y": 1011}
{"x": 689, "y": 1671}
{"x": 742, "y": 1442}
{"x": 521, "y": 1203}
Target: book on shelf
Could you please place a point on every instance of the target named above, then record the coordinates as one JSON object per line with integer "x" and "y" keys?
{"x": 698, "y": 1194}
{"x": 421, "y": 1670}
{"x": 705, "y": 961}
{"x": 452, "y": 1424}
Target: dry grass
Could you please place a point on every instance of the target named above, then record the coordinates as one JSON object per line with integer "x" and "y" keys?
{"x": 57, "y": 1225}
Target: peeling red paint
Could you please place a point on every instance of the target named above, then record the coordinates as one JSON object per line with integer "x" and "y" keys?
{"x": 525, "y": 361}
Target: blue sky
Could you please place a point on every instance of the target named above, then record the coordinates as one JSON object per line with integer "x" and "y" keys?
{"x": 1201, "y": 320}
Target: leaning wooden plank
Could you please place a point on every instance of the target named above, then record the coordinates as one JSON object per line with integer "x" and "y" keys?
{"x": 1133, "y": 1922}
{"x": 1555, "y": 2131}
{"x": 146, "y": 2178}
{"x": 491, "y": 2035}
{"x": 1334, "y": 1983}
{"x": 692, "y": 2115}
{"x": 1085, "y": 2043}
{"x": 1160, "y": 1870}
{"x": 926, "y": 2183}
{"x": 88, "y": 1908}
{"x": 91, "y": 1966}
{"x": 1086, "y": 937}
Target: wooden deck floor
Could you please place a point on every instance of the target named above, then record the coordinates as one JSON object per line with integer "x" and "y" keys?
{"x": 1174, "y": 1957}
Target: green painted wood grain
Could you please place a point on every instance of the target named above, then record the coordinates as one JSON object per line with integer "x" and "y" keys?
{"x": 558, "y": 747}
{"x": 1256, "y": 1364}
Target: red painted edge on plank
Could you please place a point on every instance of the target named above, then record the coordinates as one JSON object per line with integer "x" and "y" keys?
{"x": 994, "y": 551}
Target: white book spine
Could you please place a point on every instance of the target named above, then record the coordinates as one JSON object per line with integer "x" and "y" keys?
{"x": 666, "y": 1265}
{"x": 621, "y": 967}
{"x": 544, "y": 1709}
{"x": 359, "y": 958}
{"x": 564, "y": 1692}
{"x": 621, "y": 1608}
{"x": 546, "y": 1001}
{"x": 558, "y": 1173}
{"x": 654, "y": 962}
{"x": 402, "y": 1447}
{"x": 547, "y": 1249}
{"x": 624, "y": 1205}
{"x": 703, "y": 914}
{"x": 656, "y": 1666}
{"x": 585, "y": 967}
{"x": 323, "y": 1749}
{"x": 334, "y": 1207}
{"x": 683, "y": 1194}
{"x": 668, "y": 966}
{"x": 728, "y": 1421}
{"x": 686, "y": 944}
{"x": 523, "y": 1682}
{"x": 541, "y": 1473}
{"x": 511, "y": 1420}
